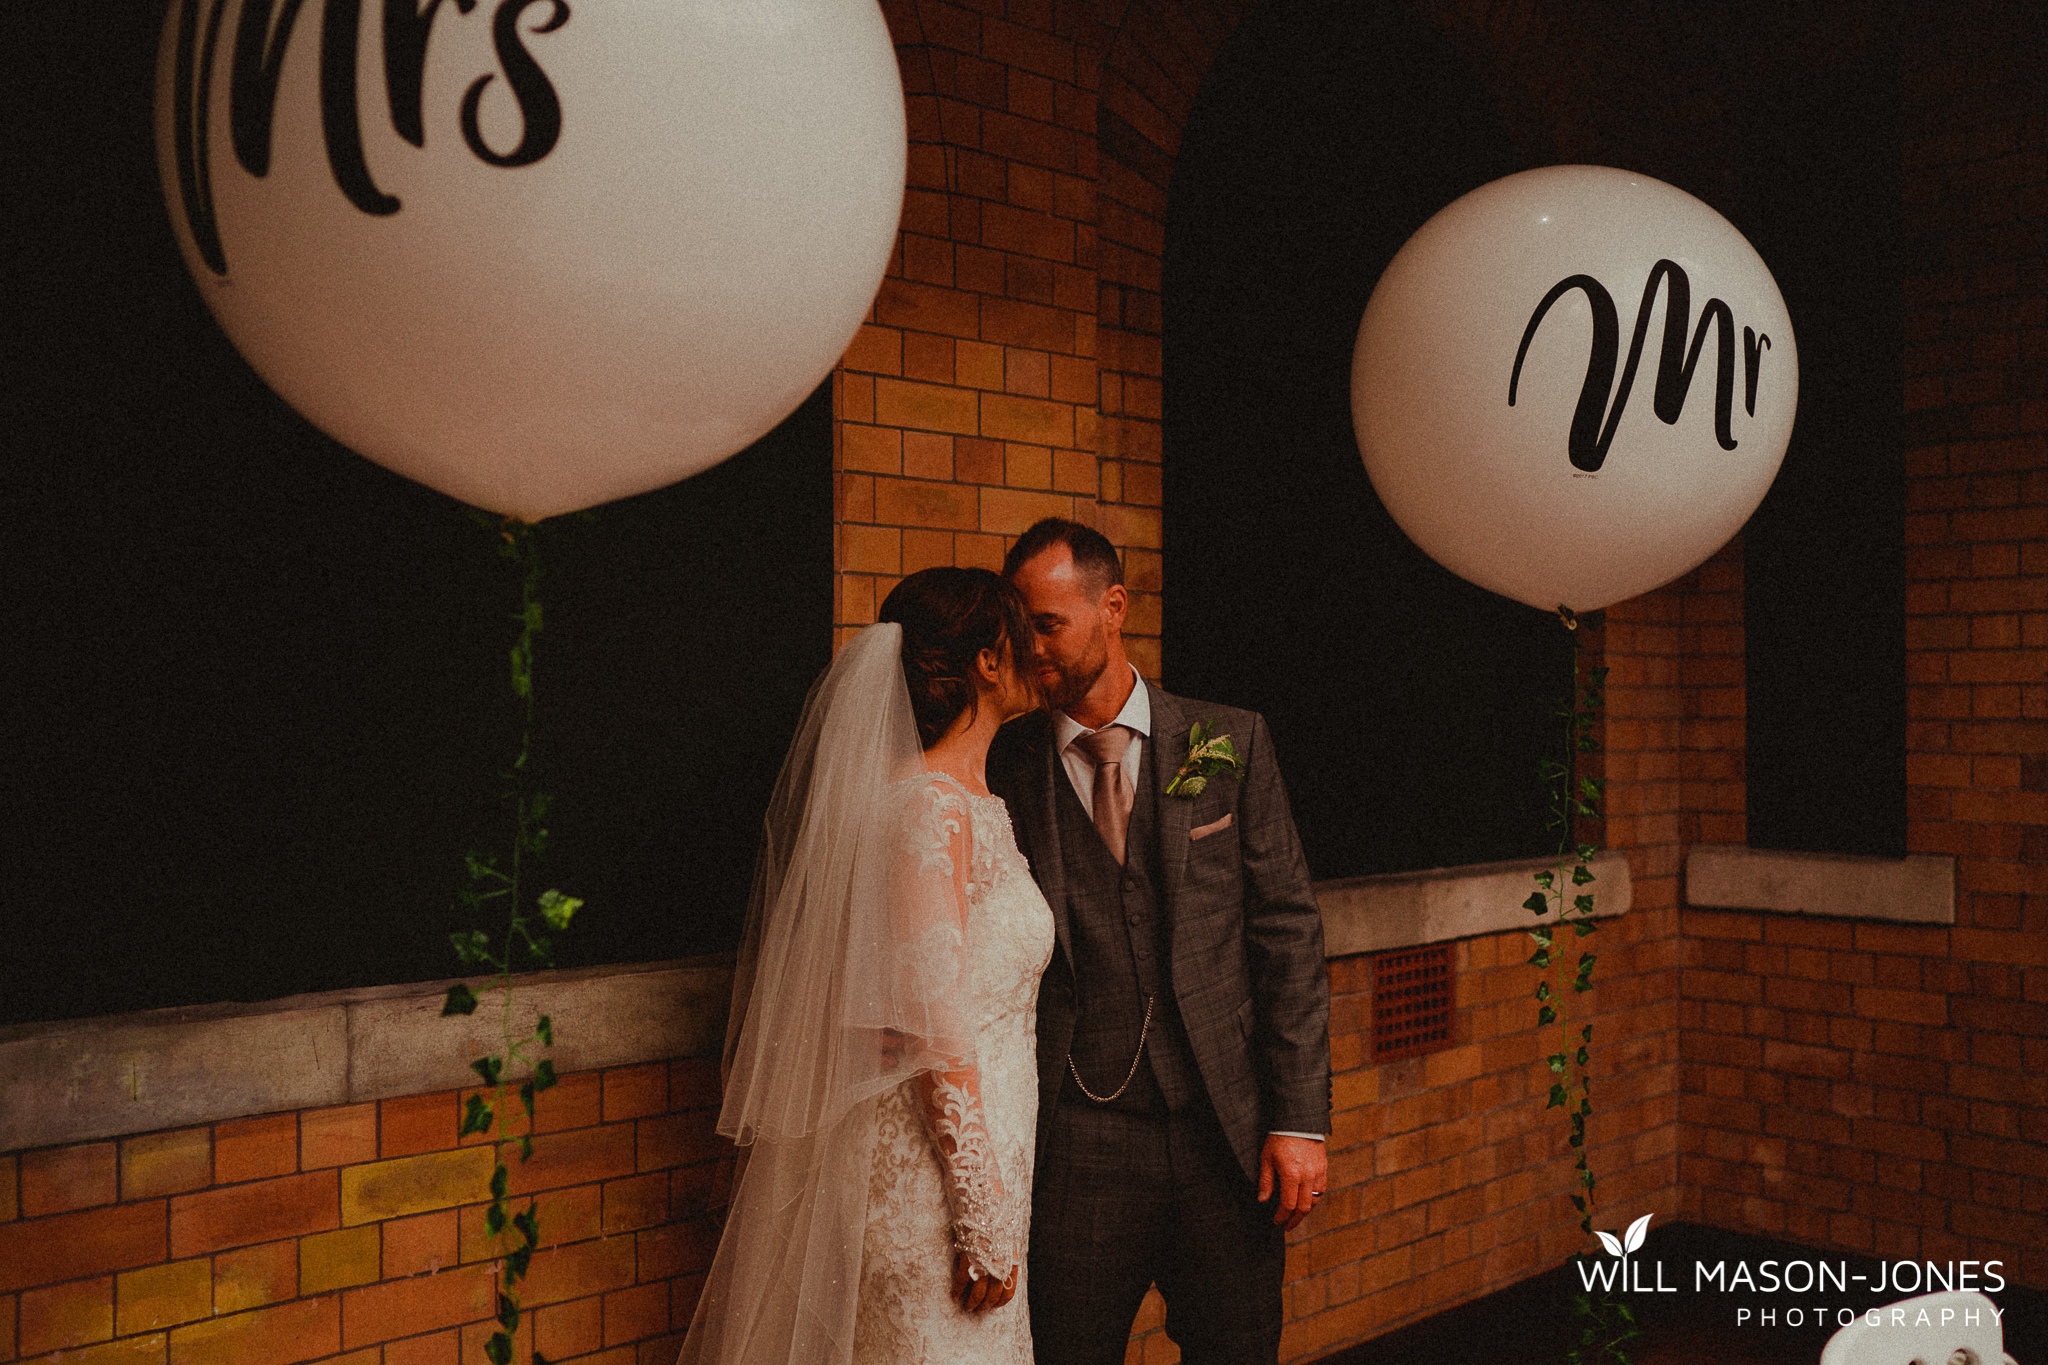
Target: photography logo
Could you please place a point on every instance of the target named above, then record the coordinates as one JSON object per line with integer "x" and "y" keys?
{"x": 1801, "y": 1292}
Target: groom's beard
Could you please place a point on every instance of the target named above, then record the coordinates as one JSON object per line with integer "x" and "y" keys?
{"x": 1064, "y": 685}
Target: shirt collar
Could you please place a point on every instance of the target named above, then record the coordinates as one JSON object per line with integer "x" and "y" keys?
{"x": 1137, "y": 714}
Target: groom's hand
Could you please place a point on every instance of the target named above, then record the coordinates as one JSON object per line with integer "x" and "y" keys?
{"x": 1293, "y": 1168}
{"x": 980, "y": 1295}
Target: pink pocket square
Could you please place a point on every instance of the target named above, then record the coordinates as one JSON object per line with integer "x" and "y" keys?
{"x": 1204, "y": 831}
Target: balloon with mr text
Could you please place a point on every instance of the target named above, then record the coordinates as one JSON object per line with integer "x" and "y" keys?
{"x": 1573, "y": 385}
{"x": 537, "y": 254}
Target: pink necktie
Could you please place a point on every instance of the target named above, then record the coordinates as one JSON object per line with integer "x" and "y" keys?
{"x": 1113, "y": 794}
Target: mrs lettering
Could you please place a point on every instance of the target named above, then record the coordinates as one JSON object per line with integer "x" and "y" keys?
{"x": 263, "y": 32}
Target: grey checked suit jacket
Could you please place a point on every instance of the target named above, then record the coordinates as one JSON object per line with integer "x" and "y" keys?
{"x": 1246, "y": 937}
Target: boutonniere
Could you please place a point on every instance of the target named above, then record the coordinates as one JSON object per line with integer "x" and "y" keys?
{"x": 1209, "y": 754}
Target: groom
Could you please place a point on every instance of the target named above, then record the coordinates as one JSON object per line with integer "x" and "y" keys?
{"x": 1183, "y": 1024}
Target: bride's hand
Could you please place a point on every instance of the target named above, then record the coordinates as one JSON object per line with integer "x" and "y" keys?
{"x": 980, "y": 1295}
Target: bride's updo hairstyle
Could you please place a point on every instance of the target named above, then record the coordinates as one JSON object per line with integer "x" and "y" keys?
{"x": 948, "y": 617}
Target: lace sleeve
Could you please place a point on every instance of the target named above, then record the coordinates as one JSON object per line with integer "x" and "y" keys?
{"x": 936, "y": 857}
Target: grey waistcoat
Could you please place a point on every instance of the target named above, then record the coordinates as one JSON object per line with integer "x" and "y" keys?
{"x": 1121, "y": 956}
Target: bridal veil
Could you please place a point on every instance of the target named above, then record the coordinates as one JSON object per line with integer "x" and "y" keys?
{"x": 825, "y": 1019}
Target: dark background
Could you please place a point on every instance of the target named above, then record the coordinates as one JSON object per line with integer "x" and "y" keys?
{"x": 1411, "y": 709}
{"x": 256, "y": 706}
{"x": 257, "y": 701}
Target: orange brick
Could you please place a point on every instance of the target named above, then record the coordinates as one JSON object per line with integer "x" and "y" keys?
{"x": 163, "y": 1296}
{"x": 160, "y": 1164}
{"x": 926, "y": 549}
{"x": 928, "y": 357}
{"x": 919, "y": 502}
{"x": 569, "y": 1329}
{"x": 60, "y": 1179}
{"x": 978, "y": 364}
{"x": 640, "y": 1202}
{"x": 878, "y": 350}
{"x": 927, "y": 455}
{"x": 870, "y": 549}
{"x": 261, "y": 1211}
{"x": 251, "y": 1277}
{"x": 570, "y": 1215}
{"x": 1074, "y": 471}
{"x": 340, "y": 1260}
{"x": 1035, "y": 421}
{"x": 635, "y": 1314}
{"x": 1027, "y": 466}
{"x": 928, "y": 407}
{"x": 9, "y": 1208}
{"x": 577, "y": 1102}
{"x": 149, "y": 1350}
{"x": 477, "y": 1334}
{"x": 877, "y": 450}
{"x": 71, "y": 1246}
{"x": 439, "y": 1348}
{"x": 74, "y": 1314}
{"x": 415, "y": 1246}
{"x": 978, "y": 461}
{"x": 577, "y": 1158}
{"x": 1011, "y": 511}
{"x": 679, "y": 1140}
{"x": 284, "y": 1335}
{"x": 570, "y": 1272}
{"x": 255, "y": 1149}
{"x": 422, "y": 1303}
{"x": 337, "y": 1137}
{"x": 415, "y": 1184}
{"x": 1027, "y": 373}
{"x": 417, "y": 1123}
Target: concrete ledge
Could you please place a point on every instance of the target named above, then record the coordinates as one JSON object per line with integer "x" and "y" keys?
{"x": 1403, "y": 909}
{"x": 133, "y": 1073}
{"x": 1916, "y": 890}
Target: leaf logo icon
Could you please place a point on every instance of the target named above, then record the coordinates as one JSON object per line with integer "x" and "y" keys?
{"x": 1632, "y": 1240}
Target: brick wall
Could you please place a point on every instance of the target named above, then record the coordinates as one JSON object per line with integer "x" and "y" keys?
{"x": 1877, "y": 1087}
{"x": 356, "y": 1234}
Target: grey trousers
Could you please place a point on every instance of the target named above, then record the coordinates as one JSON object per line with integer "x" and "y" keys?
{"x": 1127, "y": 1200}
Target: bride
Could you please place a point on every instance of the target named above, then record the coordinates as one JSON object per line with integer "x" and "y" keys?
{"x": 879, "y": 1066}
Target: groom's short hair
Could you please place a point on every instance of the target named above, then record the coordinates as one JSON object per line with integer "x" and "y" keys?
{"x": 1093, "y": 555}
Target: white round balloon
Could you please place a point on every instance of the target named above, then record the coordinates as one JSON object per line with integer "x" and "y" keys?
{"x": 1573, "y": 385}
{"x": 562, "y": 253}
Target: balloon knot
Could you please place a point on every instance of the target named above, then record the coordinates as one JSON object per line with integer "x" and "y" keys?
{"x": 1566, "y": 615}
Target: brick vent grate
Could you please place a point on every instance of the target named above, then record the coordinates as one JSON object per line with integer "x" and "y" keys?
{"x": 1411, "y": 1002}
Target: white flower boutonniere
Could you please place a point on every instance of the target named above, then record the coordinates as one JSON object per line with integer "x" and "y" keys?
{"x": 1209, "y": 755}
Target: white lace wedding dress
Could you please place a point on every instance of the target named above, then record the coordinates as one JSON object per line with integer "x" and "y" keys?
{"x": 953, "y": 1154}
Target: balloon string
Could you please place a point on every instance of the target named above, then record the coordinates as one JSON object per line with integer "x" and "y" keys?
{"x": 1566, "y": 615}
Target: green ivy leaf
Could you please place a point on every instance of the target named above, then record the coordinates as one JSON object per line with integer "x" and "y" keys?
{"x": 500, "y": 1178}
{"x": 558, "y": 909}
{"x": 494, "y": 1219}
{"x": 1546, "y": 1015}
{"x": 1557, "y": 1097}
{"x": 461, "y": 1000}
{"x": 490, "y": 1068}
{"x": 1582, "y": 874}
{"x": 526, "y": 1147}
{"x": 1538, "y": 903}
{"x": 544, "y": 1077}
{"x": 546, "y": 1029}
{"x": 476, "y": 1118}
{"x": 526, "y": 1097}
{"x": 516, "y": 1262}
{"x": 499, "y": 1349}
{"x": 1556, "y": 1063}
{"x": 1543, "y": 990}
{"x": 471, "y": 946}
{"x": 528, "y": 1224}
{"x": 508, "y": 1313}
{"x": 1583, "y": 903}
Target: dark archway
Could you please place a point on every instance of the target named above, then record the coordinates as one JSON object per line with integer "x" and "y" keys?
{"x": 1410, "y": 708}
